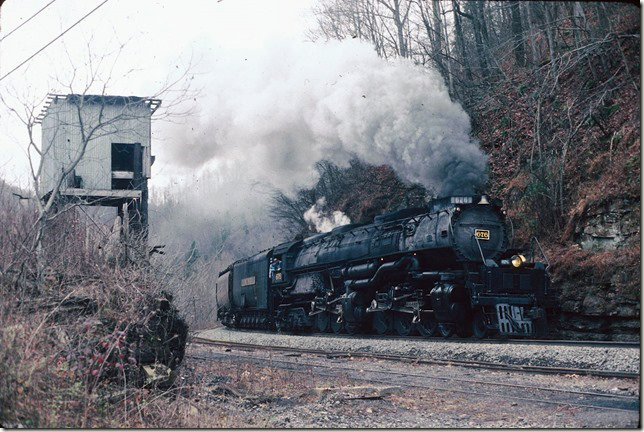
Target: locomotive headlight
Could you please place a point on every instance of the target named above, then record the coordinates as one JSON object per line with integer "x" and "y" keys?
{"x": 518, "y": 260}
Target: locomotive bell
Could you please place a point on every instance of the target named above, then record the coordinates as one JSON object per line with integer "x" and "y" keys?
{"x": 484, "y": 200}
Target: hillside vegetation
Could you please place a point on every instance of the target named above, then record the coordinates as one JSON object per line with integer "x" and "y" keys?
{"x": 563, "y": 141}
{"x": 565, "y": 157}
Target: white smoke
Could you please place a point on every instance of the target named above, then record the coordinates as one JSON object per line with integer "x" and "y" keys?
{"x": 275, "y": 114}
{"x": 316, "y": 217}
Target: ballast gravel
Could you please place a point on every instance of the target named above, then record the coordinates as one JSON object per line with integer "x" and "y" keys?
{"x": 615, "y": 359}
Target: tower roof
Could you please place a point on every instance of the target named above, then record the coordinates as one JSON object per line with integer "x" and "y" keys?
{"x": 151, "y": 103}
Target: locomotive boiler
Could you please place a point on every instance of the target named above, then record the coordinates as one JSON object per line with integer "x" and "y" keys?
{"x": 444, "y": 268}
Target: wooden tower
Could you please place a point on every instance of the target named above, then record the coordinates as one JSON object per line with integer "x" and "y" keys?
{"x": 96, "y": 150}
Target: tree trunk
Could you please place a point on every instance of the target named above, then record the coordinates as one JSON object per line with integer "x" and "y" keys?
{"x": 400, "y": 26}
{"x": 480, "y": 49}
{"x": 549, "y": 18}
{"x": 460, "y": 42}
{"x": 517, "y": 34}
{"x": 449, "y": 54}
{"x": 438, "y": 28}
{"x": 480, "y": 8}
{"x": 40, "y": 252}
{"x": 579, "y": 18}
{"x": 534, "y": 53}
{"x": 602, "y": 18}
{"x": 492, "y": 29}
{"x": 435, "y": 34}
{"x": 368, "y": 10}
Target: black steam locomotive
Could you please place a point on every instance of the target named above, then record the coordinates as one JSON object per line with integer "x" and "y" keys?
{"x": 445, "y": 268}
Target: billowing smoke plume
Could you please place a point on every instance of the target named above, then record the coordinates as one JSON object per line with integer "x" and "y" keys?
{"x": 319, "y": 218}
{"x": 273, "y": 116}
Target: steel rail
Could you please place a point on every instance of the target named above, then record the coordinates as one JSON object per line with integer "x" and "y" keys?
{"x": 464, "y": 380}
{"x": 500, "y": 341}
{"x": 333, "y": 369}
{"x": 419, "y": 360}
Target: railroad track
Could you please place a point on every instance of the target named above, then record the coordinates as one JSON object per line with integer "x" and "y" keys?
{"x": 442, "y": 382}
{"x": 419, "y": 360}
{"x": 500, "y": 341}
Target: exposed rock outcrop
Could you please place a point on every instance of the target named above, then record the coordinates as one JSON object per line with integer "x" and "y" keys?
{"x": 608, "y": 226}
{"x": 600, "y": 293}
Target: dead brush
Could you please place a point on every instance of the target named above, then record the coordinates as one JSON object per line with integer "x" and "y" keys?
{"x": 192, "y": 285}
{"x": 72, "y": 344}
{"x": 59, "y": 366}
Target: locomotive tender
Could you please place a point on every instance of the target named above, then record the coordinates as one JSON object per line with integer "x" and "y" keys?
{"x": 445, "y": 268}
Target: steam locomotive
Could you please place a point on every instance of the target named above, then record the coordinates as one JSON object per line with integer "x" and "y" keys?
{"x": 445, "y": 268}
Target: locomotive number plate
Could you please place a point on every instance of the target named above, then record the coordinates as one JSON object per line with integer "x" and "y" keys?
{"x": 249, "y": 281}
{"x": 482, "y": 234}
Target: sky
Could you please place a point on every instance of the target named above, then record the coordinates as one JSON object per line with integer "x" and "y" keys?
{"x": 135, "y": 47}
{"x": 264, "y": 102}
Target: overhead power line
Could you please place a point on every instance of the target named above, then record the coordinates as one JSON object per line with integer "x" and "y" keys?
{"x": 54, "y": 40}
{"x": 30, "y": 18}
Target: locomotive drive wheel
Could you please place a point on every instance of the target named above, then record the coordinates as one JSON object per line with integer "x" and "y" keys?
{"x": 478, "y": 326}
{"x": 464, "y": 331}
{"x": 352, "y": 327}
{"x": 382, "y": 323}
{"x": 337, "y": 327}
{"x": 403, "y": 323}
{"x": 427, "y": 325}
{"x": 322, "y": 322}
{"x": 445, "y": 330}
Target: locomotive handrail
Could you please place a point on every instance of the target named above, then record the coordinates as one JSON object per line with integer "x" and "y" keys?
{"x": 416, "y": 219}
{"x": 451, "y": 228}
{"x": 478, "y": 243}
{"x": 534, "y": 239}
{"x": 511, "y": 231}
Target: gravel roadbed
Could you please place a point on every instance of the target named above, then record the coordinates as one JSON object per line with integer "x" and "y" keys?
{"x": 598, "y": 358}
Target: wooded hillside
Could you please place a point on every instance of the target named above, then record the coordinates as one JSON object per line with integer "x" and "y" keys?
{"x": 553, "y": 92}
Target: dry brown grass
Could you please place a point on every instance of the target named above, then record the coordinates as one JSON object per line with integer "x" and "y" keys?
{"x": 59, "y": 364}
{"x": 72, "y": 344}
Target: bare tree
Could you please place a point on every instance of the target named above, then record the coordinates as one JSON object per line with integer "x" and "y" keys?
{"x": 361, "y": 191}
{"x": 434, "y": 29}
{"x": 399, "y": 10}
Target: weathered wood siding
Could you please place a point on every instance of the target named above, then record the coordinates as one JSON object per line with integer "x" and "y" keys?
{"x": 62, "y": 140}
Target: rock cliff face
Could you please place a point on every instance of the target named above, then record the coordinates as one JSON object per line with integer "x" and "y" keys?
{"x": 599, "y": 314}
{"x": 609, "y": 226}
{"x": 600, "y": 289}
{"x": 601, "y": 296}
